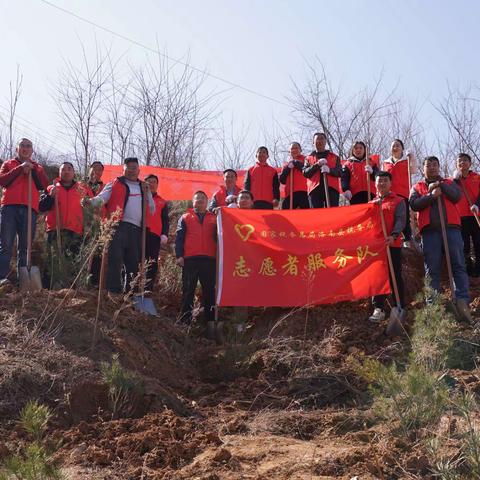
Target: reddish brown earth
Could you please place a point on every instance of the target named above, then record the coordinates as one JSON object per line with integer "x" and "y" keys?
{"x": 280, "y": 401}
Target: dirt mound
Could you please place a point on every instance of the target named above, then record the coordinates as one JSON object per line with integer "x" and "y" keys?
{"x": 139, "y": 448}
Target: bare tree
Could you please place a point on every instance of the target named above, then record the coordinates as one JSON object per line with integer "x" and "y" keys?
{"x": 78, "y": 95}
{"x": 174, "y": 115}
{"x": 7, "y": 133}
{"x": 460, "y": 110}
{"x": 369, "y": 115}
{"x": 232, "y": 147}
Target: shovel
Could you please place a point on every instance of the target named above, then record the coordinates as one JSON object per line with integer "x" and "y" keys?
{"x": 452, "y": 305}
{"x": 397, "y": 313}
{"x": 29, "y": 277}
{"x": 140, "y": 302}
{"x": 57, "y": 228}
{"x": 215, "y": 328}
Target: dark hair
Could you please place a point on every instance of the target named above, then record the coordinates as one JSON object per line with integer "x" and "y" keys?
{"x": 230, "y": 170}
{"x": 96, "y": 162}
{"x": 400, "y": 142}
{"x": 148, "y": 177}
{"x": 68, "y": 163}
{"x": 431, "y": 158}
{"x": 201, "y": 192}
{"x": 262, "y": 148}
{"x": 364, "y": 148}
{"x": 466, "y": 156}
{"x": 323, "y": 134}
{"x": 381, "y": 173}
{"x": 296, "y": 143}
{"x": 248, "y": 192}
{"x": 130, "y": 160}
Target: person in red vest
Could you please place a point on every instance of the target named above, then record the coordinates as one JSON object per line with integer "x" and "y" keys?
{"x": 70, "y": 195}
{"x": 322, "y": 161}
{"x": 262, "y": 181}
{"x": 398, "y": 165}
{"x": 157, "y": 231}
{"x": 354, "y": 175}
{"x": 469, "y": 183}
{"x": 95, "y": 177}
{"x": 196, "y": 251}
{"x": 423, "y": 200}
{"x": 245, "y": 200}
{"x": 227, "y": 193}
{"x": 13, "y": 211}
{"x": 124, "y": 199}
{"x": 295, "y": 167}
{"x": 393, "y": 208}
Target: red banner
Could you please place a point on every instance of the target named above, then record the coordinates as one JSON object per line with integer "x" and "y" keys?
{"x": 177, "y": 184}
{"x": 301, "y": 257}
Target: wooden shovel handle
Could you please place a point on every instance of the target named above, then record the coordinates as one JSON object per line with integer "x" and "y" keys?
{"x": 445, "y": 245}
{"x": 389, "y": 257}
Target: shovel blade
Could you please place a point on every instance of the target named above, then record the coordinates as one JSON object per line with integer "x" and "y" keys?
{"x": 145, "y": 305}
{"x": 30, "y": 280}
{"x": 395, "y": 322}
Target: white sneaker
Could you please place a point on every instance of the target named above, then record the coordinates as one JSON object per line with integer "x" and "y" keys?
{"x": 377, "y": 316}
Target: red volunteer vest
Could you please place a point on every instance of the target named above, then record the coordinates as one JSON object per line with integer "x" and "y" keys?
{"x": 200, "y": 237}
{"x": 472, "y": 185}
{"x": 389, "y": 205}
{"x": 399, "y": 173}
{"x": 314, "y": 181}
{"x": 221, "y": 194}
{"x": 423, "y": 217}
{"x": 358, "y": 176}
{"x": 299, "y": 181}
{"x": 69, "y": 206}
{"x": 154, "y": 222}
{"x": 17, "y": 192}
{"x": 261, "y": 182}
{"x": 119, "y": 197}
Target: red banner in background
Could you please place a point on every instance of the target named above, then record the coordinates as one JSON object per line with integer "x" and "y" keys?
{"x": 302, "y": 257}
{"x": 177, "y": 184}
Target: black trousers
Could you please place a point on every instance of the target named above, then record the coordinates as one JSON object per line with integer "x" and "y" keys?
{"x": 151, "y": 254}
{"x": 407, "y": 231}
{"x": 195, "y": 269}
{"x": 95, "y": 270}
{"x": 471, "y": 234}
{"x": 379, "y": 300}
{"x": 124, "y": 251}
{"x": 300, "y": 200}
{"x": 361, "y": 197}
{"x": 70, "y": 244}
{"x": 262, "y": 205}
{"x": 317, "y": 199}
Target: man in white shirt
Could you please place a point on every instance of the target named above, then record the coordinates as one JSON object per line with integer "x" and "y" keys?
{"x": 123, "y": 199}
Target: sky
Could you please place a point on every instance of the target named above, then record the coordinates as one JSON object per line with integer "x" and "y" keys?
{"x": 260, "y": 45}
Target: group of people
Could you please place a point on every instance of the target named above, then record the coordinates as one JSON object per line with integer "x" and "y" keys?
{"x": 313, "y": 181}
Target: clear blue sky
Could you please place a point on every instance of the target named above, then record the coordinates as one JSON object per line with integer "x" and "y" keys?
{"x": 261, "y": 45}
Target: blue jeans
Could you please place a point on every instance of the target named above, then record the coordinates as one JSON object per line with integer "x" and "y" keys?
{"x": 13, "y": 222}
{"x": 432, "y": 245}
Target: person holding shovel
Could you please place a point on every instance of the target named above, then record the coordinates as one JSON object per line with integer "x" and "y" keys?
{"x": 15, "y": 175}
{"x": 468, "y": 207}
{"x": 262, "y": 181}
{"x": 124, "y": 199}
{"x": 227, "y": 193}
{"x": 358, "y": 175}
{"x": 322, "y": 170}
{"x": 295, "y": 183}
{"x": 196, "y": 251}
{"x": 157, "y": 231}
{"x": 66, "y": 194}
{"x": 393, "y": 211}
{"x": 434, "y": 199}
